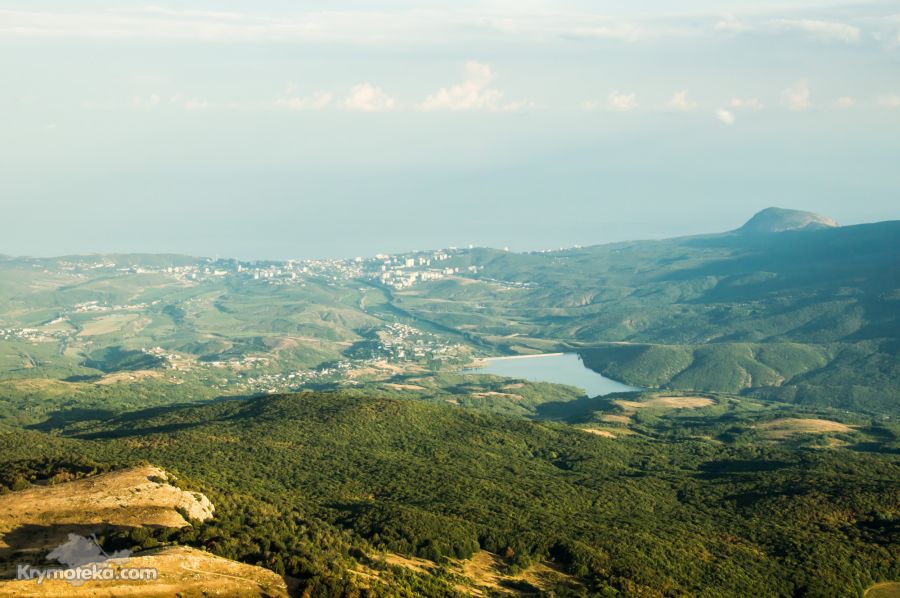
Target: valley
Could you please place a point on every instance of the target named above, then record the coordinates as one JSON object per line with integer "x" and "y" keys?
{"x": 710, "y": 416}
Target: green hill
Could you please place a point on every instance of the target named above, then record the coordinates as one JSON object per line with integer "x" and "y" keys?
{"x": 632, "y": 515}
{"x": 834, "y": 290}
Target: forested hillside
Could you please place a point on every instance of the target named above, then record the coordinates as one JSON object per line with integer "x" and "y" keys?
{"x": 811, "y": 315}
{"x": 704, "y": 516}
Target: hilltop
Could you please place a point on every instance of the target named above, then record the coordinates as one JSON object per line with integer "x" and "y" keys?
{"x": 777, "y": 220}
{"x": 133, "y": 505}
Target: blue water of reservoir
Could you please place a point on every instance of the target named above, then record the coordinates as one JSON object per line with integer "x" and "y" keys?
{"x": 558, "y": 368}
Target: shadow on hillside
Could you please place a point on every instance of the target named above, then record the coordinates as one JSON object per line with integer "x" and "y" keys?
{"x": 873, "y": 447}
{"x": 31, "y": 543}
{"x": 59, "y": 420}
{"x": 83, "y": 423}
{"x": 579, "y": 410}
{"x": 736, "y": 467}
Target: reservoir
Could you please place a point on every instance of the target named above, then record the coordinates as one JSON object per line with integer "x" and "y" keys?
{"x": 558, "y": 368}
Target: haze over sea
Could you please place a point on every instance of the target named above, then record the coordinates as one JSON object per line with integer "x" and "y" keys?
{"x": 275, "y": 130}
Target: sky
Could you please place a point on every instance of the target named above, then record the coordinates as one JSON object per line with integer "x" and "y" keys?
{"x": 274, "y": 129}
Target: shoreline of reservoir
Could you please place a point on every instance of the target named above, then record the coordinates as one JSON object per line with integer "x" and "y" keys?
{"x": 554, "y": 368}
{"x": 508, "y": 357}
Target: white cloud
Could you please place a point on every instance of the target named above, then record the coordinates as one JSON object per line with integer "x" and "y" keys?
{"x": 680, "y": 101}
{"x": 200, "y": 14}
{"x": 196, "y": 104}
{"x": 475, "y": 93}
{"x": 145, "y": 103}
{"x": 731, "y": 24}
{"x": 621, "y": 102}
{"x": 889, "y": 101}
{"x": 746, "y": 104}
{"x": 615, "y": 101}
{"x": 365, "y": 97}
{"x": 797, "y": 97}
{"x": 626, "y": 32}
{"x": 319, "y": 100}
{"x": 165, "y": 24}
{"x": 725, "y": 116}
{"x": 822, "y": 29}
{"x": 461, "y": 23}
{"x": 352, "y": 26}
{"x": 844, "y": 102}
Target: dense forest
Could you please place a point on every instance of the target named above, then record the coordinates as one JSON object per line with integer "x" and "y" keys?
{"x": 307, "y": 483}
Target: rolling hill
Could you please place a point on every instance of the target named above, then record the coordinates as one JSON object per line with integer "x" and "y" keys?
{"x": 826, "y": 299}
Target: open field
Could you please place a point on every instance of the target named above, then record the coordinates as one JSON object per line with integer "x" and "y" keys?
{"x": 491, "y": 393}
{"x": 182, "y": 571}
{"x": 484, "y": 574}
{"x": 599, "y": 432}
{"x": 107, "y": 324}
{"x": 890, "y": 589}
{"x": 780, "y": 429}
{"x": 132, "y": 376}
{"x": 41, "y": 517}
{"x": 404, "y": 386}
{"x": 667, "y": 402}
{"x": 616, "y": 419}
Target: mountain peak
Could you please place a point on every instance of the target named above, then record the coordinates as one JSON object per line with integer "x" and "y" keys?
{"x": 776, "y": 220}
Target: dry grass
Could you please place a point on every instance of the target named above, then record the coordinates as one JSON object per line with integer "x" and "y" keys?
{"x": 182, "y": 572}
{"x": 135, "y": 376}
{"x": 599, "y": 432}
{"x": 126, "y": 498}
{"x": 406, "y": 368}
{"x": 779, "y": 429}
{"x": 44, "y": 386}
{"x": 405, "y": 386}
{"x": 831, "y": 443}
{"x": 415, "y": 564}
{"x": 483, "y": 574}
{"x": 888, "y": 589}
{"x": 682, "y": 402}
{"x": 107, "y": 324}
{"x": 666, "y": 402}
{"x": 39, "y": 519}
{"x": 616, "y": 419}
{"x": 629, "y": 406}
{"x": 491, "y": 393}
{"x": 483, "y": 569}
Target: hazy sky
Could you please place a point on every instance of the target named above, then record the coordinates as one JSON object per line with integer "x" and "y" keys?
{"x": 281, "y": 129}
